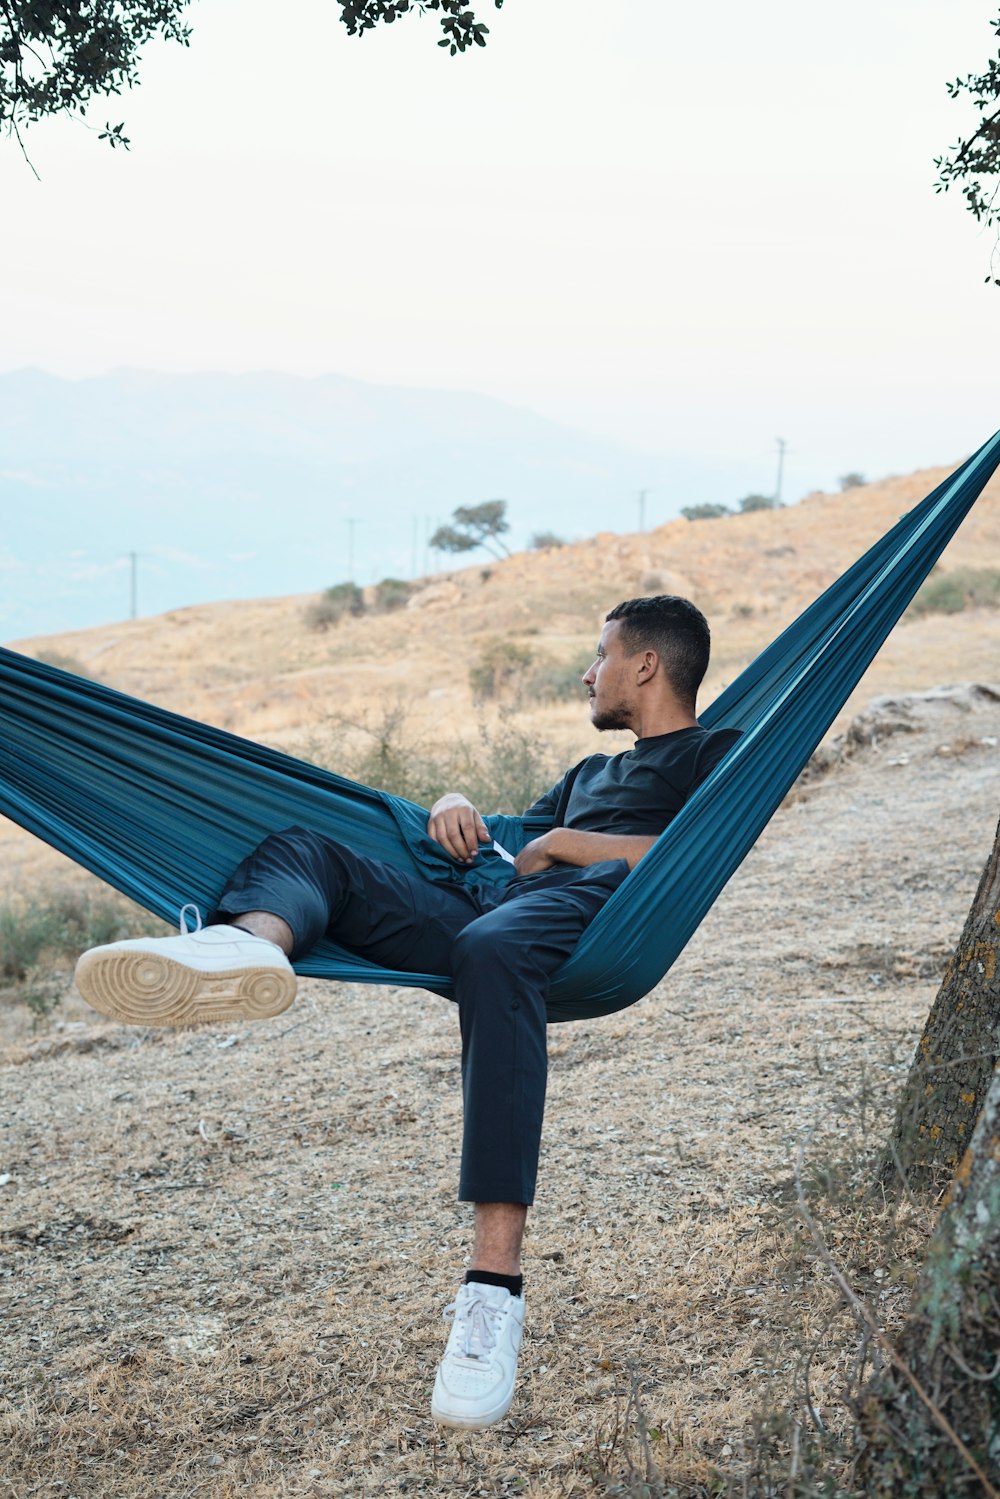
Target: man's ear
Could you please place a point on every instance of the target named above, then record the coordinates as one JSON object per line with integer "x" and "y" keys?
{"x": 648, "y": 666}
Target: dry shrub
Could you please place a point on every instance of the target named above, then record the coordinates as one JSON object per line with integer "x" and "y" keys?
{"x": 501, "y": 667}
{"x": 333, "y": 604}
{"x": 53, "y": 929}
{"x": 962, "y": 588}
{"x": 503, "y": 768}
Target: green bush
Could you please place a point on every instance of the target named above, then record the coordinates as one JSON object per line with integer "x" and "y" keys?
{"x": 331, "y": 606}
{"x": 963, "y": 588}
{"x": 707, "y": 511}
{"x": 543, "y": 539}
{"x": 500, "y": 664}
{"x": 63, "y": 662}
{"x": 24, "y": 936}
{"x": 53, "y": 930}
{"x": 939, "y": 596}
{"x": 392, "y": 593}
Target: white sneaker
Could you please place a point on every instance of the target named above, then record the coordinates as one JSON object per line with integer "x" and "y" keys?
{"x": 475, "y": 1379}
{"x": 215, "y": 973}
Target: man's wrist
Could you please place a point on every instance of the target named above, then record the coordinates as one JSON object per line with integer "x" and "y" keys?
{"x": 554, "y": 843}
{"x": 450, "y": 799}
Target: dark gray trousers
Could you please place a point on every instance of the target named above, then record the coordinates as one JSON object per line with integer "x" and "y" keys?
{"x": 499, "y": 945}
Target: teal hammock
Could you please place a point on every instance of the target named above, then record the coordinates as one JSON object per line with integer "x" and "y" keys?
{"x": 163, "y": 808}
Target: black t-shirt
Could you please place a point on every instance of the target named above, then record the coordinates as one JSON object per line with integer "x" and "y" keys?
{"x": 639, "y": 791}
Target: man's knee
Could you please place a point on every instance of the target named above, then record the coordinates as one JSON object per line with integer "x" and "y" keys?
{"x": 298, "y": 835}
{"x": 302, "y": 850}
{"x": 484, "y": 953}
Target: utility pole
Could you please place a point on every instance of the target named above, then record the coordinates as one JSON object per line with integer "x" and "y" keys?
{"x": 642, "y": 509}
{"x": 134, "y": 564}
{"x": 351, "y": 523}
{"x": 782, "y": 445}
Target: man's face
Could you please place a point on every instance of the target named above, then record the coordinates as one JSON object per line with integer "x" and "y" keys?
{"x": 611, "y": 681}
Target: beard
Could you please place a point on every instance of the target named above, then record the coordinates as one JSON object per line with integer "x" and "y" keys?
{"x": 615, "y": 717}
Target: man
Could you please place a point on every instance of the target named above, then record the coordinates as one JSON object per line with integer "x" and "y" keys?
{"x": 500, "y": 944}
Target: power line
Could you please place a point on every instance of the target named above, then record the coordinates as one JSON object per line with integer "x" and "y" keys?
{"x": 782, "y": 445}
{"x": 351, "y": 523}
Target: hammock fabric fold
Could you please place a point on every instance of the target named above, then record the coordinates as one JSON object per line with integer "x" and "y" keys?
{"x": 163, "y": 808}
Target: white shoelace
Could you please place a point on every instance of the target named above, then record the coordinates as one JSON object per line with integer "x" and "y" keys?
{"x": 185, "y": 929}
{"x": 480, "y": 1320}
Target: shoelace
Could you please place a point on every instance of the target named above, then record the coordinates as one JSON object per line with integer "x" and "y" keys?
{"x": 185, "y": 929}
{"x": 480, "y": 1320}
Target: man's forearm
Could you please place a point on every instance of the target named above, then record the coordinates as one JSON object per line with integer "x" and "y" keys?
{"x": 571, "y": 846}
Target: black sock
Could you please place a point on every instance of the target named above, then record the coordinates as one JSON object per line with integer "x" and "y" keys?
{"x": 512, "y": 1283}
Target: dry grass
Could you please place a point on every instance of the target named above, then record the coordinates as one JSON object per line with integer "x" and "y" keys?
{"x": 225, "y": 1254}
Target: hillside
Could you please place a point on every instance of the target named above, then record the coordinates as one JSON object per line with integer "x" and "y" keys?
{"x": 257, "y": 669}
{"x": 227, "y": 485}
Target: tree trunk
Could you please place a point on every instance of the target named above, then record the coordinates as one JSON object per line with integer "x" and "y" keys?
{"x": 951, "y": 1072}
{"x": 931, "y": 1418}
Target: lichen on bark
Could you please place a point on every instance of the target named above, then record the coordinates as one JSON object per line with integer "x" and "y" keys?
{"x": 956, "y": 1055}
{"x": 930, "y": 1419}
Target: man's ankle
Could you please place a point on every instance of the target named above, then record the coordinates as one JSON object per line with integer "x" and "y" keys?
{"x": 512, "y": 1283}
{"x": 499, "y": 1235}
{"x": 264, "y": 924}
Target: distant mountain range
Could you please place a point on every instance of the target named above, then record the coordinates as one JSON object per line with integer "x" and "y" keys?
{"x": 237, "y": 486}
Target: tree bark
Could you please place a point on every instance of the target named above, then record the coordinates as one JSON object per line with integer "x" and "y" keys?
{"x": 930, "y": 1420}
{"x": 951, "y": 1071}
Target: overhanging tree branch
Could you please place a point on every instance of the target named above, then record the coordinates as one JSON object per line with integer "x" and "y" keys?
{"x": 974, "y": 163}
{"x": 458, "y": 21}
{"x": 56, "y": 55}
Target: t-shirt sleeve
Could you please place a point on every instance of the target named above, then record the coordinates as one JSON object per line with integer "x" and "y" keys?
{"x": 545, "y": 806}
{"x": 714, "y": 748}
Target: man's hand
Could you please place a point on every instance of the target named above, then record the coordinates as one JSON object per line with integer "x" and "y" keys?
{"x": 569, "y": 846}
{"x": 536, "y": 856}
{"x": 457, "y": 826}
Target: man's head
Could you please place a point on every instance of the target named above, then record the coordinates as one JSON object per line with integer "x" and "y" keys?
{"x": 658, "y": 645}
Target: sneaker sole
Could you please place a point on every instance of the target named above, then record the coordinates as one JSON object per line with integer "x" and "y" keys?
{"x": 148, "y": 988}
{"x": 468, "y": 1420}
{"x": 473, "y": 1423}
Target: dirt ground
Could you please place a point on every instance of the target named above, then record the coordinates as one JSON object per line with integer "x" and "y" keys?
{"x": 225, "y": 1254}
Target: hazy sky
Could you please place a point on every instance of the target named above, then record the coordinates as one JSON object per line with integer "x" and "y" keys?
{"x": 694, "y": 228}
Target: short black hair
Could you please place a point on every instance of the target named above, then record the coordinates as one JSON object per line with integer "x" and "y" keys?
{"x": 676, "y": 630}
